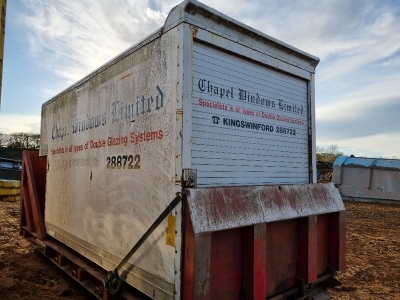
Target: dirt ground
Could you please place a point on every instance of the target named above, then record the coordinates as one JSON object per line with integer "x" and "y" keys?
{"x": 373, "y": 253}
{"x": 25, "y": 273}
{"x": 373, "y": 259}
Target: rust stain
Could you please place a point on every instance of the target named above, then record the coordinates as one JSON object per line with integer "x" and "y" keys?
{"x": 195, "y": 30}
{"x": 214, "y": 209}
{"x": 127, "y": 75}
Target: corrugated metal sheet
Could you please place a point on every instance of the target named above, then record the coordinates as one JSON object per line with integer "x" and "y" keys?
{"x": 220, "y": 208}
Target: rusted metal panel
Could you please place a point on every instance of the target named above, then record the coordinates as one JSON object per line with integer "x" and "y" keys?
{"x": 254, "y": 270}
{"x": 281, "y": 256}
{"x": 308, "y": 248}
{"x": 278, "y": 255}
{"x": 188, "y": 260}
{"x": 26, "y": 218}
{"x": 322, "y": 243}
{"x": 337, "y": 240}
{"x": 202, "y": 280}
{"x": 226, "y": 264}
{"x": 220, "y": 208}
{"x": 32, "y": 202}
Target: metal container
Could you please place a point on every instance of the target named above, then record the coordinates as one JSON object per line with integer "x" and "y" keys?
{"x": 369, "y": 179}
{"x": 205, "y": 101}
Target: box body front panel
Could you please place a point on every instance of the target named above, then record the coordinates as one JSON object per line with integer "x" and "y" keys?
{"x": 249, "y": 121}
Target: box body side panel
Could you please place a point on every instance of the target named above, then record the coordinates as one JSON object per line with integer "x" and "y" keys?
{"x": 111, "y": 164}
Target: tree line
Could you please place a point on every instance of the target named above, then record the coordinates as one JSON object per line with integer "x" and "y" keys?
{"x": 328, "y": 154}
{"x": 20, "y": 140}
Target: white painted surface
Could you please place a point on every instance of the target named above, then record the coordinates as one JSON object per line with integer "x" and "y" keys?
{"x": 242, "y": 130}
{"x": 111, "y": 205}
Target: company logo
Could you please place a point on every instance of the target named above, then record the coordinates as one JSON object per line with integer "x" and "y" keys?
{"x": 215, "y": 120}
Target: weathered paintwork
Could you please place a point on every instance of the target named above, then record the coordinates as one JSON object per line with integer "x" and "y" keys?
{"x": 257, "y": 242}
{"x": 111, "y": 167}
{"x": 118, "y": 140}
{"x": 212, "y": 209}
{"x": 367, "y": 178}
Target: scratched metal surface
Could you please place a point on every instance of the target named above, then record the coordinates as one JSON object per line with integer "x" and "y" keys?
{"x": 93, "y": 197}
{"x": 220, "y": 208}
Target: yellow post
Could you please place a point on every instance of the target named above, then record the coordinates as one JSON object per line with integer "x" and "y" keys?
{"x": 3, "y": 4}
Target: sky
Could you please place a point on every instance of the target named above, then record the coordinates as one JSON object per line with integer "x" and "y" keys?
{"x": 51, "y": 44}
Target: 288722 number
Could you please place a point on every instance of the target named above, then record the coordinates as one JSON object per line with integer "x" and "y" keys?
{"x": 123, "y": 162}
{"x": 285, "y": 130}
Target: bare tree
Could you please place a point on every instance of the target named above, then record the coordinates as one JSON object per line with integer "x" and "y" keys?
{"x": 20, "y": 140}
{"x": 328, "y": 154}
{"x": 4, "y": 139}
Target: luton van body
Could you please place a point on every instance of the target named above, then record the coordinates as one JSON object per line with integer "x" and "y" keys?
{"x": 207, "y": 110}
